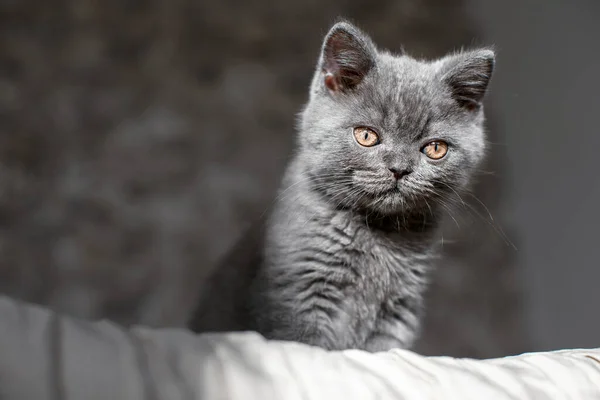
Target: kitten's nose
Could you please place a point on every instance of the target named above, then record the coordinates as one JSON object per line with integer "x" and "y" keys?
{"x": 399, "y": 173}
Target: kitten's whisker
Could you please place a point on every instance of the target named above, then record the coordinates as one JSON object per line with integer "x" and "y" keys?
{"x": 491, "y": 222}
{"x": 338, "y": 192}
{"x": 486, "y": 172}
{"x": 308, "y": 178}
{"x": 496, "y": 228}
{"x": 443, "y": 204}
{"x": 449, "y": 187}
{"x": 483, "y": 205}
{"x": 450, "y": 214}
{"x": 284, "y": 194}
{"x": 430, "y": 211}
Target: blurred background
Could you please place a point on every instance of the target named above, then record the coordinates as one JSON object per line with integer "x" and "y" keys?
{"x": 139, "y": 137}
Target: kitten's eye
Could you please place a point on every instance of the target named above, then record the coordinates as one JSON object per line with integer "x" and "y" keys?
{"x": 366, "y": 137}
{"x": 435, "y": 150}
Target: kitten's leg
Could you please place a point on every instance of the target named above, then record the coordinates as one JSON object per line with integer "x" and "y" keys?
{"x": 314, "y": 321}
{"x": 393, "y": 333}
{"x": 382, "y": 342}
{"x": 314, "y": 331}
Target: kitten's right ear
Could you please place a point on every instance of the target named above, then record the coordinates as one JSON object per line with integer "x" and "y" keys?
{"x": 347, "y": 56}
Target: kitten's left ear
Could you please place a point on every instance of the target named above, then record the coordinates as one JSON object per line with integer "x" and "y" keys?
{"x": 346, "y": 57}
{"x": 468, "y": 75}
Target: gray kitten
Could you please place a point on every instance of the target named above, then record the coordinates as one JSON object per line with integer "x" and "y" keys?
{"x": 384, "y": 142}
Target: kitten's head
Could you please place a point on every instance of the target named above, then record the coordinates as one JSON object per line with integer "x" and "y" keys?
{"x": 388, "y": 133}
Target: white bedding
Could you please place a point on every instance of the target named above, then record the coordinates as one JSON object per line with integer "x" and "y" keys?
{"x": 48, "y": 356}
{"x": 245, "y": 366}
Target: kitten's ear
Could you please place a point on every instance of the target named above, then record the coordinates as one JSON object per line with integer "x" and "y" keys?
{"x": 347, "y": 56}
{"x": 468, "y": 75}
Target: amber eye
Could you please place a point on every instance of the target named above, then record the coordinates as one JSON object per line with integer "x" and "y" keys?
{"x": 435, "y": 150}
{"x": 366, "y": 137}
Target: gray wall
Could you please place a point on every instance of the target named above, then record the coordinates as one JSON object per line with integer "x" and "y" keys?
{"x": 547, "y": 91}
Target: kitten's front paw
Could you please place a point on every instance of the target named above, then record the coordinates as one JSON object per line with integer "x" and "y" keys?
{"x": 380, "y": 343}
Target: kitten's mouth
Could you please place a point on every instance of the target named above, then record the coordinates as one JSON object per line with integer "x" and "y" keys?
{"x": 386, "y": 196}
{"x": 380, "y": 188}
{"x": 392, "y": 191}
{"x": 392, "y": 198}
{"x": 382, "y": 194}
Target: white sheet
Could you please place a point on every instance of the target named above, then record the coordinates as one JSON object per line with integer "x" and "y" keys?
{"x": 245, "y": 366}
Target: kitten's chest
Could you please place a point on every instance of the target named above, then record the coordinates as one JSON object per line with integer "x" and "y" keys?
{"x": 383, "y": 271}
{"x": 383, "y": 267}
{"x": 370, "y": 281}
{"x": 386, "y": 293}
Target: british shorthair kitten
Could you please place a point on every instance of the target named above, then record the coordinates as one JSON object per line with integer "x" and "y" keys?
{"x": 342, "y": 260}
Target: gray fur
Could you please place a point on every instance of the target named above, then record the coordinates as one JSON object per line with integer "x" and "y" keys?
{"x": 343, "y": 258}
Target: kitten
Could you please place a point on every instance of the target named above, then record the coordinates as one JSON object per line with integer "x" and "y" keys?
{"x": 384, "y": 142}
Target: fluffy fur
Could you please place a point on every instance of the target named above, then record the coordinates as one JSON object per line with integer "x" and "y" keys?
{"x": 343, "y": 258}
